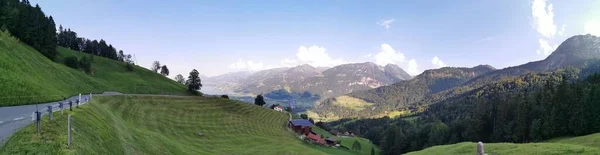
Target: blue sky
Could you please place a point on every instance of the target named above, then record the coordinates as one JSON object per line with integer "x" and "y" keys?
{"x": 217, "y": 37}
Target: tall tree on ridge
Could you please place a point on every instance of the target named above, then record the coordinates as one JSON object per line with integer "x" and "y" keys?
{"x": 155, "y": 66}
{"x": 164, "y": 70}
{"x": 179, "y": 78}
{"x": 194, "y": 83}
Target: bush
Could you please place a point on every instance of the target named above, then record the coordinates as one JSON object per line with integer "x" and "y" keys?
{"x": 72, "y": 62}
{"x": 303, "y": 116}
{"x": 129, "y": 67}
{"x": 225, "y": 96}
{"x": 85, "y": 64}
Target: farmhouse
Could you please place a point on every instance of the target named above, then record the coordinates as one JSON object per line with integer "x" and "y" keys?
{"x": 335, "y": 132}
{"x": 301, "y": 126}
{"x": 331, "y": 141}
{"x": 278, "y": 108}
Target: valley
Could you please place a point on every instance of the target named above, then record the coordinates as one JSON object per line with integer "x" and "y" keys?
{"x": 299, "y": 77}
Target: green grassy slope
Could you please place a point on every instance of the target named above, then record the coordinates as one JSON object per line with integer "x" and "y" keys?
{"x": 577, "y": 145}
{"x": 27, "y": 77}
{"x": 166, "y": 125}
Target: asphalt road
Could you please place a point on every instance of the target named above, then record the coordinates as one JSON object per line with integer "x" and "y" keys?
{"x": 16, "y": 117}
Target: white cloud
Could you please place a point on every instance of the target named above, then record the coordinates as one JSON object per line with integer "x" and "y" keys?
{"x": 592, "y": 27}
{"x": 543, "y": 22}
{"x": 249, "y": 65}
{"x": 317, "y": 57}
{"x": 437, "y": 62}
{"x": 313, "y": 55}
{"x": 543, "y": 18}
{"x": 387, "y": 23}
{"x": 562, "y": 31}
{"x": 412, "y": 67}
{"x": 388, "y": 55}
{"x": 546, "y": 48}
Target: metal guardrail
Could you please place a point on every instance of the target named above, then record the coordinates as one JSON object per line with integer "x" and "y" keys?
{"x": 55, "y": 107}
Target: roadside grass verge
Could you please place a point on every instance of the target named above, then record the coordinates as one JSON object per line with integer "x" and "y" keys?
{"x": 165, "y": 125}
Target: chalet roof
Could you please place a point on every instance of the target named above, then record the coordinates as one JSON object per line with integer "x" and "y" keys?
{"x": 315, "y": 138}
{"x": 331, "y": 139}
{"x": 301, "y": 122}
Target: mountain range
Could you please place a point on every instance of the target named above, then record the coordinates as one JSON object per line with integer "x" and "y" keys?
{"x": 325, "y": 82}
{"x": 435, "y": 86}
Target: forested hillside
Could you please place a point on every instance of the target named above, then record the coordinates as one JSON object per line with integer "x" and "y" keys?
{"x": 530, "y": 108}
{"x": 79, "y": 66}
{"x": 30, "y": 25}
{"x": 576, "y": 51}
{"x": 27, "y": 77}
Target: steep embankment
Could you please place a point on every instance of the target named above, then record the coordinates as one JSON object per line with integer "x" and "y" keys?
{"x": 165, "y": 125}
{"x": 27, "y": 77}
{"x": 576, "y": 145}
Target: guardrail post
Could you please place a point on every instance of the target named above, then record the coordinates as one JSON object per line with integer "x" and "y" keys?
{"x": 70, "y": 105}
{"x": 77, "y": 103}
{"x": 79, "y": 98}
{"x": 60, "y": 105}
{"x": 69, "y": 133}
{"x": 38, "y": 119}
{"x": 50, "y": 112}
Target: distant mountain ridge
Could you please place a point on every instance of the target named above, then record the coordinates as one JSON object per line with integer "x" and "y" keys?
{"x": 575, "y": 52}
{"x": 325, "y": 82}
{"x": 401, "y": 94}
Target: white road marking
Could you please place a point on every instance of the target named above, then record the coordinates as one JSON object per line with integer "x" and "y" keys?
{"x": 16, "y": 119}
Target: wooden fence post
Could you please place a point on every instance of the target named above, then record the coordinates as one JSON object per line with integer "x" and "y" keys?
{"x": 69, "y": 141}
{"x": 480, "y": 150}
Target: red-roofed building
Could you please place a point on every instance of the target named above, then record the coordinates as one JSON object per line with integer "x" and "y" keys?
{"x": 316, "y": 138}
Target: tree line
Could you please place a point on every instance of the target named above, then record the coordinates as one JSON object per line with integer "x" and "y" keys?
{"x": 30, "y": 25}
{"x": 69, "y": 39}
{"x": 531, "y": 108}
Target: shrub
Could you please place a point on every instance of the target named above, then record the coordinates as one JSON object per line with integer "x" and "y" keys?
{"x": 303, "y": 116}
{"x": 225, "y": 96}
{"x": 85, "y": 64}
{"x": 129, "y": 67}
{"x": 71, "y": 62}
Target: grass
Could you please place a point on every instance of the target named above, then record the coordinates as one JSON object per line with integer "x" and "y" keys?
{"x": 577, "y": 145}
{"x": 27, "y": 77}
{"x": 365, "y": 144}
{"x": 166, "y": 125}
{"x": 351, "y": 102}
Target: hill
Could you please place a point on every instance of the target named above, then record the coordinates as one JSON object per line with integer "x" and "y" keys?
{"x": 27, "y": 77}
{"x": 166, "y": 125}
{"x": 577, "y": 145}
{"x": 395, "y": 96}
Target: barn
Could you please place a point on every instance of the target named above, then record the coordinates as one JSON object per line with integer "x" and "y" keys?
{"x": 300, "y": 126}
